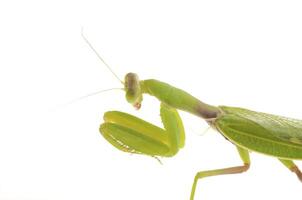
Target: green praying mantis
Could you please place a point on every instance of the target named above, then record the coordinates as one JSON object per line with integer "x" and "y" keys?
{"x": 272, "y": 135}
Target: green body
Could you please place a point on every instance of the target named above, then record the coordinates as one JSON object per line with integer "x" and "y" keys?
{"x": 178, "y": 99}
{"x": 248, "y": 130}
{"x": 264, "y": 133}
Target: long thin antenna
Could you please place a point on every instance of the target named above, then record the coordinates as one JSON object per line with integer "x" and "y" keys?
{"x": 98, "y": 55}
{"x": 93, "y": 94}
{"x": 85, "y": 96}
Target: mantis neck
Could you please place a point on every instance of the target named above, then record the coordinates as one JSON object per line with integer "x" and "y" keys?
{"x": 179, "y": 99}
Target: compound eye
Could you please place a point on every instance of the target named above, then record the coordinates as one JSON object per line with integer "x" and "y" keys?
{"x": 133, "y": 90}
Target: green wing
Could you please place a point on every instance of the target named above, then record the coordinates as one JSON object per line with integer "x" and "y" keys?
{"x": 270, "y": 134}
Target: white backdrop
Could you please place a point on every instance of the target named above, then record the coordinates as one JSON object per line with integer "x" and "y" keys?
{"x": 237, "y": 53}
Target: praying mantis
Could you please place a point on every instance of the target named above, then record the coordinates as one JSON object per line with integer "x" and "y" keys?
{"x": 248, "y": 130}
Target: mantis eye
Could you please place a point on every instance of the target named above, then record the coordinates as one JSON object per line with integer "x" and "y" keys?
{"x": 133, "y": 90}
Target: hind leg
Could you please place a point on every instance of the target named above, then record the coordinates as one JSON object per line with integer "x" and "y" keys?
{"x": 292, "y": 167}
{"x": 244, "y": 154}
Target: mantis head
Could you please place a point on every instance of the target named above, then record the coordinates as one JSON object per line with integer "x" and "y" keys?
{"x": 131, "y": 85}
{"x": 133, "y": 90}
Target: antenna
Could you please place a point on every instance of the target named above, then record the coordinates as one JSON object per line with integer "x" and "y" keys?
{"x": 98, "y": 55}
{"x": 85, "y": 96}
{"x": 93, "y": 94}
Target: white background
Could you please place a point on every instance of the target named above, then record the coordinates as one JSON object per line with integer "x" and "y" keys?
{"x": 237, "y": 53}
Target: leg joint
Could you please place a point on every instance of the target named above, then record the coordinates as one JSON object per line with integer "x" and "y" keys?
{"x": 296, "y": 170}
{"x": 246, "y": 166}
